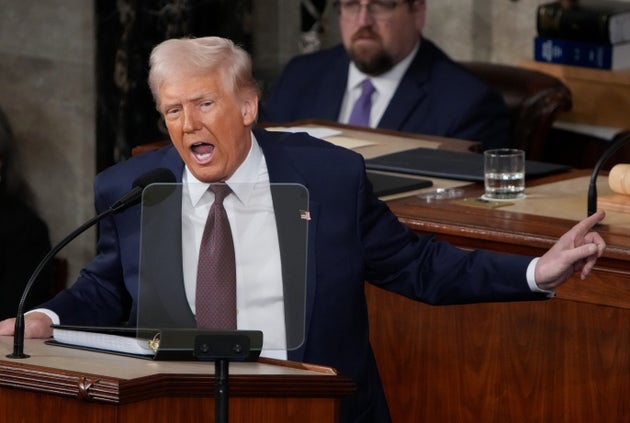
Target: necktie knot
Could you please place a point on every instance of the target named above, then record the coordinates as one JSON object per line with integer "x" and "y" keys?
{"x": 366, "y": 87}
{"x": 220, "y": 192}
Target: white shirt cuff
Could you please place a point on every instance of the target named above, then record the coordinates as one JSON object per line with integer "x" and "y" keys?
{"x": 531, "y": 279}
{"x": 53, "y": 316}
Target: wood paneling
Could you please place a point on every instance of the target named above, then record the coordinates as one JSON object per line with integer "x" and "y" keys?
{"x": 551, "y": 361}
{"x": 66, "y": 385}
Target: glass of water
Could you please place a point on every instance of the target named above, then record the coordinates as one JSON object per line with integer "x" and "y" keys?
{"x": 504, "y": 174}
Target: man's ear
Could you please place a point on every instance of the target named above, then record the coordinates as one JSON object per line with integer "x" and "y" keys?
{"x": 419, "y": 8}
{"x": 249, "y": 109}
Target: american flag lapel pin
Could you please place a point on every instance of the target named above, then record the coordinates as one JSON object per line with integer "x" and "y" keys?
{"x": 305, "y": 215}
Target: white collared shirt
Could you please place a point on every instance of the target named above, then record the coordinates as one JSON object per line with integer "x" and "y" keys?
{"x": 250, "y": 211}
{"x": 385, "y": 85}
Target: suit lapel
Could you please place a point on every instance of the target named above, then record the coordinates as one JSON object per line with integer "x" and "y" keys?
{"x": 162, "y": 294}
{"x": 162, "y": 297}
{"x": 281, "y": 170}
{"x": 407, "y": 104}
{"x": 292, "y": 218}
{"x": 332, "y": 87}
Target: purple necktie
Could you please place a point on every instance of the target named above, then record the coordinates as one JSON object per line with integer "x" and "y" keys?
{"x": 360, "y": 115}
{"x": 215, "y": 302}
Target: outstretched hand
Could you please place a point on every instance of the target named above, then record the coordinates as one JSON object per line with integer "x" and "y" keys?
{"x": 576, "y": 251}
{"x": 36, "y": 325}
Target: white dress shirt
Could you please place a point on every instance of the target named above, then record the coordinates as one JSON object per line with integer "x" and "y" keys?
{"x": 259, "y": 288}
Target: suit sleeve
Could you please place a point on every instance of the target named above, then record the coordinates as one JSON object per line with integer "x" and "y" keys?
{"x": 421, "y": 268}
{"x": 98, "y": 297}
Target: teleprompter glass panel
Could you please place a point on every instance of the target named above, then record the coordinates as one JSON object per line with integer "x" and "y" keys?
{"x": 269, "y": 224}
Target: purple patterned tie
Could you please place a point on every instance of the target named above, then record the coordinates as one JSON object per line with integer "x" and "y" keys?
{"x": 215, "y": 302}
{"x": 360, "y": 115}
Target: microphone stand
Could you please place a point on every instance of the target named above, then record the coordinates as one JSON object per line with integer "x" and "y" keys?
{"x": 133, "y": 196}
{"x": 18, "y": 338}
{"x": 619, "y": 141}
{"x": 221, "y": 390}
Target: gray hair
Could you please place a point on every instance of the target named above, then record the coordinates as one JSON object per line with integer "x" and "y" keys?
{"x": 199, "y": 56}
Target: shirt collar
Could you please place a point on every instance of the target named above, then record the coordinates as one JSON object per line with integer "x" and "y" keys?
{"x": 241, "y": 182}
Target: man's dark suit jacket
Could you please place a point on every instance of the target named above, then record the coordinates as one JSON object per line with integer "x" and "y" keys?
{"x": 352, "y": 237}
{"x": 436, "y": 96}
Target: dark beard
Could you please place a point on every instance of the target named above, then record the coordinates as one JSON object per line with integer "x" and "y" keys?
{"x": 374, "y": 66}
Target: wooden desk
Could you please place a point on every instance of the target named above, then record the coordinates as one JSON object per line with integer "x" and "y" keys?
{"x": 59, "y": 384}
{"x": 563, "y": 360}
{"x": 374, "y": 142}
{"x": 369, "y": 143}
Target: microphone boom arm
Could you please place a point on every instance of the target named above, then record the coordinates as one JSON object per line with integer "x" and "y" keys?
{"x": 619, "y": 141}
{"x": 158, "y": 175}
{"x": 18, "y": 339}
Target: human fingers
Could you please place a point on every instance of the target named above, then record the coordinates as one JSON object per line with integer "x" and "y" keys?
{"x": 37, "y": 325}
{"x": 586, "y": 225}
{"x": 7, "y": 326}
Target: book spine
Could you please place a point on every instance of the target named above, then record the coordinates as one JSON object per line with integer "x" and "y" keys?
{"x": 573, "y": 23}
{"x": 573, "y": 53}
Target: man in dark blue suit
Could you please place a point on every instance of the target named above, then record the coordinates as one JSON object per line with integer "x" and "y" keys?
{"x": 205, "y": 91}
{"x": 419, "y": 88}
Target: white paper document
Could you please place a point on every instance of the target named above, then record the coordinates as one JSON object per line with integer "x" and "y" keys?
{"x": 331, "y": 135}
{"x": 103, "y": 341}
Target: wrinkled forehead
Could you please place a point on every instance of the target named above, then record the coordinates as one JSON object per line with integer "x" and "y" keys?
{"x": 191, "y": 78}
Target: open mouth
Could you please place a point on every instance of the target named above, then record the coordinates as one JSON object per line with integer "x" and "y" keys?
{"x": 202, "y": 151}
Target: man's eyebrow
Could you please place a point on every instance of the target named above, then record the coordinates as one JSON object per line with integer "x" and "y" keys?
{"x": 194, "y": 98}
{"x": 170, "y": 105}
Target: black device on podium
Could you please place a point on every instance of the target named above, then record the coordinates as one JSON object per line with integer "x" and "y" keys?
{"x": 449, "y": 164}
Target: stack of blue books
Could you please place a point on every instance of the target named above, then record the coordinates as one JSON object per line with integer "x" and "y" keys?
{"x": 587, "y": 33}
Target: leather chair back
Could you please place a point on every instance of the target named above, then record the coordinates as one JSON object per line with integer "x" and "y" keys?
{"x": 535, "y": 99}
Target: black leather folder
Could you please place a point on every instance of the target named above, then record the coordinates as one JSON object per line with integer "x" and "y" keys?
{"x": 450, "y": 164}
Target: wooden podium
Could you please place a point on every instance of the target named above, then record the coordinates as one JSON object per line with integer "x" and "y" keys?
{"x": 58, "y": 384}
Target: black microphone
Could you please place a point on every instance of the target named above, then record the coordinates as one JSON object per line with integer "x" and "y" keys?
{"x": 159, "y": 175}
{"x": 618, "y": 141}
